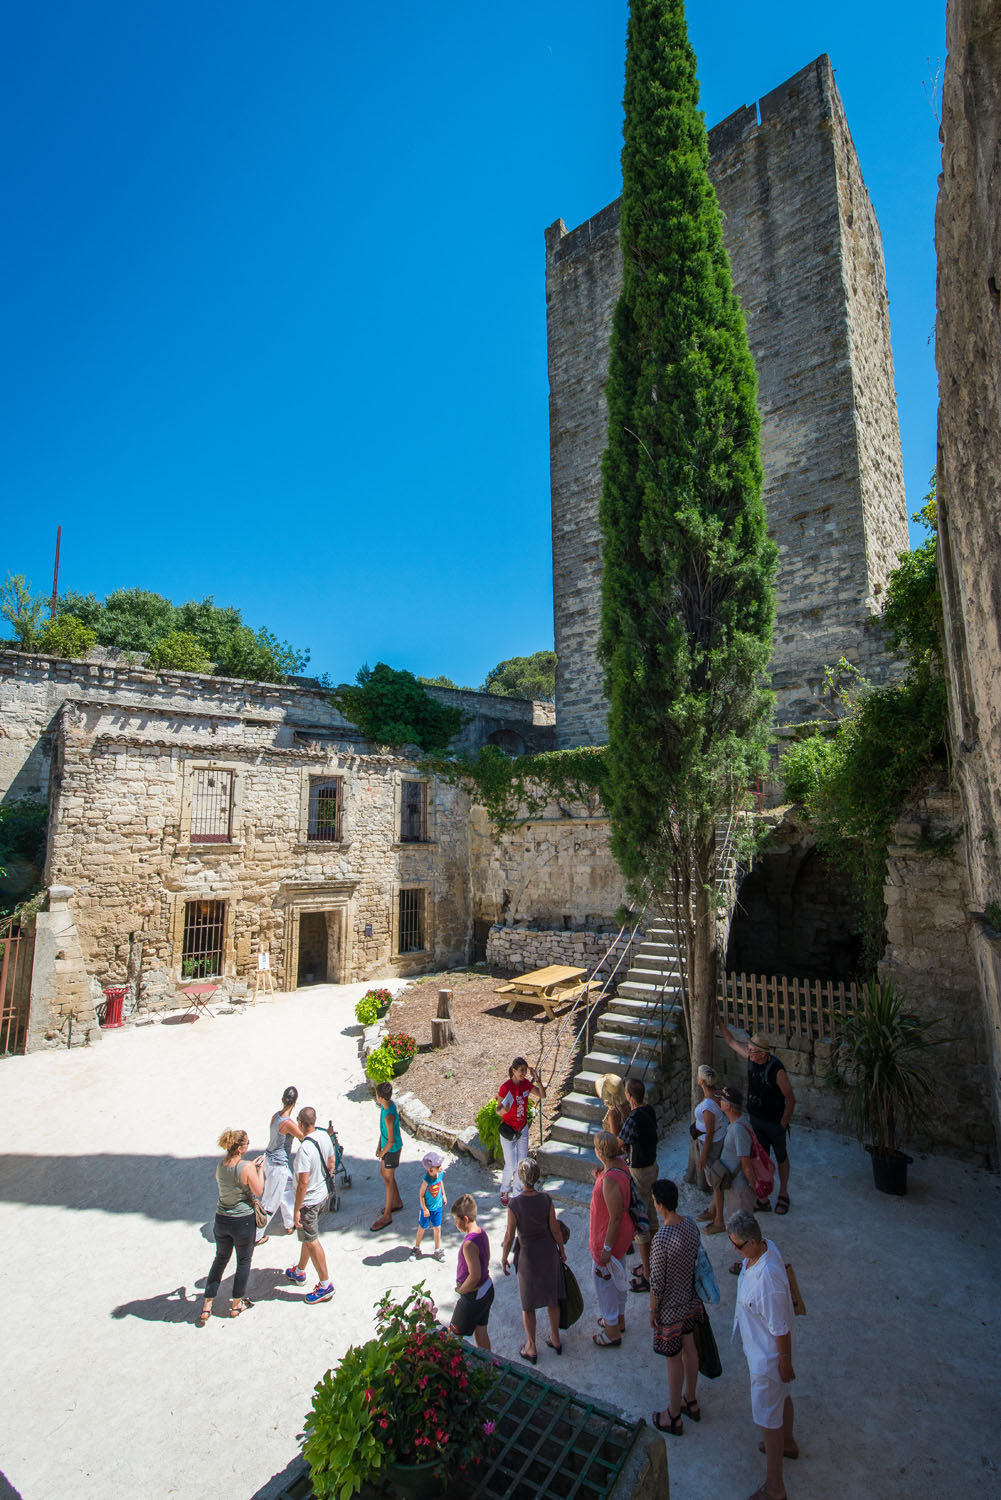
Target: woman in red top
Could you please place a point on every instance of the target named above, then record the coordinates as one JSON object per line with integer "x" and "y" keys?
{"x": 611, "y": 1233}
{"x": 513, "y": 1095}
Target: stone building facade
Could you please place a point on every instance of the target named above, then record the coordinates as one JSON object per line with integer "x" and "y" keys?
{"x": 196, "y": 821}
{"x": 807, "y": 260}
{"x": 968, "y": 353}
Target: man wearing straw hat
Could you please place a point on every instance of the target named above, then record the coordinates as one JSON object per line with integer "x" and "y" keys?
{"x": 770, "y": 1103}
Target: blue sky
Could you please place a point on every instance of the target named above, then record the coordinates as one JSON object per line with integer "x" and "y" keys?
{"x": 273, "y": 302}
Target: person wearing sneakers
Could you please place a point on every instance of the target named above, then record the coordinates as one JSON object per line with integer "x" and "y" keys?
{"x": 314, "y": 1160}
{"x": 432, "y": 1201}
{"x": 388, "y": 1153}
{"x": 522, "y": 1083}
{"x": 770, "y": 1105}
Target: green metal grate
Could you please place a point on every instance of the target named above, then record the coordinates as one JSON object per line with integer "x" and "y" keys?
{"x": 551, "y": 1444}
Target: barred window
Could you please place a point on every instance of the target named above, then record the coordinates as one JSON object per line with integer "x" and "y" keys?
{"x": 211, "y": 806}
{"x": 201, "y": 949}
{"x": 414, "y": 812}
{"x": 324, "y": 825}
{"x": 413, "y": 906}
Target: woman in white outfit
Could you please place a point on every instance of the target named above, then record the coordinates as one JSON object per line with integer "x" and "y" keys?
{"x": 279, "y": 1181}
{"x": 522, "y": 1084}
{"x": 764, "y": 1316}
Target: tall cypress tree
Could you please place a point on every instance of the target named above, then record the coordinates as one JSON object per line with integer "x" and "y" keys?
{"x": 687, "y": 602}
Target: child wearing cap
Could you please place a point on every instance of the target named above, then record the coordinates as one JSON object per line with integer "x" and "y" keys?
{"x": 432, "y": 1201}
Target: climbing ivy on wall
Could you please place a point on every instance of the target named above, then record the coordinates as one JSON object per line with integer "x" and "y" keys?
{"x": 516, "y": 789}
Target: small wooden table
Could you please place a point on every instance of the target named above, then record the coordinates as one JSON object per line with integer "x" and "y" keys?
{"x": 546, "y": 987}
{"x": 198, "y": 997}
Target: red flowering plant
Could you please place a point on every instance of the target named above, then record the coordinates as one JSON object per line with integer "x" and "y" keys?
{"x": 402, "y": 1047}
{"x": 409, "y": 1395}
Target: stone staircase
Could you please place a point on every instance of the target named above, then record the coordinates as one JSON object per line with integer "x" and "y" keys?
{"x": 626, "y": 1040}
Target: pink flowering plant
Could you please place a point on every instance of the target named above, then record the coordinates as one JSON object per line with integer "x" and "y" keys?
{"x": 402, "y": 1047}
{"x": 410, "y": 1395}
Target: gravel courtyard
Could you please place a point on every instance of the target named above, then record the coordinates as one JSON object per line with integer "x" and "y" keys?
{"x": 108, "y": 1193}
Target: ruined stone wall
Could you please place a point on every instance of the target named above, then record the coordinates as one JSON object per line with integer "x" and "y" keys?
{"x": 556, "y": 871}
{"x": 968, "y": 353}
{"x": 120, "y": 835}
{"x": 808, "y": 268}
{"x": 930, "y": 958}
{"x": 33, "y": 688}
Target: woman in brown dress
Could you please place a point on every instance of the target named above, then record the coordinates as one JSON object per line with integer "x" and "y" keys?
{"x": 539, "y": 1257}
{"x": 675, "y": 1307}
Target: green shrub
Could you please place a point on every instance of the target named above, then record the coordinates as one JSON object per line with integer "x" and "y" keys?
{"x": 372, "y": 1005}
{"x": 488, "y": 1123}
{"x": 66, "y": 636}
{"x": 380, "y": 1064}
{"x": 180, "y": 651}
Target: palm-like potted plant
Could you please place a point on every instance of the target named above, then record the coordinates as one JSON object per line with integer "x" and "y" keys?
{"x": 409, "y": 1407}
{"x": 888, "y": 1082}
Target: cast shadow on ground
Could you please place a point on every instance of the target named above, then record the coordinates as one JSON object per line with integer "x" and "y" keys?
{"x": 395, "y": 1255}
{"x": 7, "y": 1490}
{"x": 159, "y": 1187}
{"x": 264, "y": 1285}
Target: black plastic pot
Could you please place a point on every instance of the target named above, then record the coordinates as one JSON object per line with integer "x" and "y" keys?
{"x": 889, "y": 1171}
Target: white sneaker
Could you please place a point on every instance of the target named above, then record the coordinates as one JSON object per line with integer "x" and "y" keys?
{"x": 439, "y": 1254}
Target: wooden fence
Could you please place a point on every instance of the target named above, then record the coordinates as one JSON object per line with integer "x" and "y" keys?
{"x": 774, "y": 1003}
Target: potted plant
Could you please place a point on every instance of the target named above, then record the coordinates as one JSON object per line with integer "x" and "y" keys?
{"x": 888, "y": 1082}
{"x": 372, "y": 1005}
{"x": 402, "y": 1049}
{"x": 409, "y": 1407}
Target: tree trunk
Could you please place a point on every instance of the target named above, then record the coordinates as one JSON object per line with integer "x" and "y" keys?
{"x": 442, "y": 1028}
{"x": 702, "y": 979}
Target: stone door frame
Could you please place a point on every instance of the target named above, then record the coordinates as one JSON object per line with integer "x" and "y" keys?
{"x": 336, "y": 896}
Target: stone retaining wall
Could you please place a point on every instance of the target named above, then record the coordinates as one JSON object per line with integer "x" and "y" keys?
{"x": 524, "y": 948}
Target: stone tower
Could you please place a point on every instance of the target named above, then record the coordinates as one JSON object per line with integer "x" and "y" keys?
{"x": 807, "y": 261}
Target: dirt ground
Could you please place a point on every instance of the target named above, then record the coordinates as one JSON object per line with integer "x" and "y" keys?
{"x": 456, "y": 1082}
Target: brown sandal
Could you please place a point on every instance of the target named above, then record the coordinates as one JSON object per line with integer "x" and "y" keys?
{"x": 240, "y": 1307}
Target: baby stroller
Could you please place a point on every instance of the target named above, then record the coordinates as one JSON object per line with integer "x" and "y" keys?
{"x": 339, "y": 1174}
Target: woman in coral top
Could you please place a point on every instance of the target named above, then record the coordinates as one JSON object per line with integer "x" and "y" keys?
{"x": 521, "y": 1084}
{"x": 611, "y": 1234}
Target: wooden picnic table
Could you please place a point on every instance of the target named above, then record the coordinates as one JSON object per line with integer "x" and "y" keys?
{"x": 547, "y": 987}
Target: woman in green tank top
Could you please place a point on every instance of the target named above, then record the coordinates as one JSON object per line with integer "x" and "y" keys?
{"x": 240, "y": 1182}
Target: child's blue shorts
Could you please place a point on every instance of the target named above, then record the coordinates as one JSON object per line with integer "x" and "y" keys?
{"x": 433, "y": 1218}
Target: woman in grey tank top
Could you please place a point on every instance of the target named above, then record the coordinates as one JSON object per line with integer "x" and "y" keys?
{"x": 239, "y": 1183}
{"x": 279, "y": 1182}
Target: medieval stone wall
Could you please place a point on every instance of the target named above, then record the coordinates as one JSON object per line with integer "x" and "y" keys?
{"x": 120, "y": 835}
{"x": 33, "y": 687}
{"x": 968, "y": 352}
{"x": 522, "y": 949}
{"x": 807, "y": 263}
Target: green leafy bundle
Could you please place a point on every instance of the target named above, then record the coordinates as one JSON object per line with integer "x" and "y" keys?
{"x": 393, "y": 708}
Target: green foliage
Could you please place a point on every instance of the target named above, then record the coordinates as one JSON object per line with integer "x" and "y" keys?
{"x": 882, "y": 1057}
{"x": 524, "y": 677}
{"x": 445, "y": 682}
{"x": 411, "y": 1394}
{"x": 138, "y": 620}
{"x": 20, "y": 607}
{"x": 380, "y": 1064}
{"x": 516, "y": 789}
{"x": 24, "y": 826}
{"x": 372, "y": 1005}
{"x": 179, "y": 651}
{"x": 401, "y": 1047}
{"x": 65, "y": 636}
{"x": 855, "y": 783}
{"x": 687, "y": 601}
{"x": 992, "y": 911}
{"x": 488, "y": 1127}
{"x": 488, "y": 1123}
{"x": 392, "y": 708}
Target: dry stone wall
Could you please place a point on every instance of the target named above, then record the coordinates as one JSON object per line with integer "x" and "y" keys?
{"x": 808, "y": 268}
{"x": 522, "y": 949}
{"x": 556, "y": 871}
{"x": 968, "y": 353}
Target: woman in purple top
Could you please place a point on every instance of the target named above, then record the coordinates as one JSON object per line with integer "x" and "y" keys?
{"x": 472, "y": 1275}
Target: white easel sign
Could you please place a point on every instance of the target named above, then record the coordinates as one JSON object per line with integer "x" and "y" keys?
{"x": 263, "y": 962}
